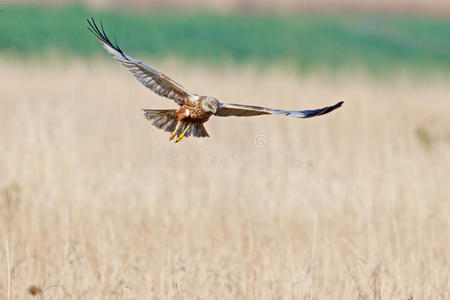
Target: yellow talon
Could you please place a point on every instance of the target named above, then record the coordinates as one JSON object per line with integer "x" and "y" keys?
{"x": 174, "y": 133}
{"x": 182, "y": 135}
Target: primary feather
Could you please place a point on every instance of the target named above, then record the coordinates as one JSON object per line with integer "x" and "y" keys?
{"x": 156, "y": 81}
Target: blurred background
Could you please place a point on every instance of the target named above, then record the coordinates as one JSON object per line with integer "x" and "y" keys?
{"x": 95, "y": 202}
{"x": 379, "y": 36}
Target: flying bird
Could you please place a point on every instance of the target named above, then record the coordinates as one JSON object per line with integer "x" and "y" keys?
{"x": 194, "y": 109}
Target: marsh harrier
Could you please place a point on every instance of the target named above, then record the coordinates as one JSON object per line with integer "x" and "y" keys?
{"x": 194, "y": 109}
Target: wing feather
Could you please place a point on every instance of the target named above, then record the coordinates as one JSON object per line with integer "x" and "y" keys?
{"x": 239, "y": 110}
{"x": 156, "y": 81}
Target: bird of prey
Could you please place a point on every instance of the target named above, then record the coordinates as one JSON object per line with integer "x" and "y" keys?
{"x": 194, "y": 109}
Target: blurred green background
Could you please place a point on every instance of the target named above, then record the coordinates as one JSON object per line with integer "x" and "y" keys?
{"x": 372, "y": 41}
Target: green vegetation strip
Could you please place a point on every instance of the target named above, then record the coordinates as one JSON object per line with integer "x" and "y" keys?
{"x": 377, "y": 43}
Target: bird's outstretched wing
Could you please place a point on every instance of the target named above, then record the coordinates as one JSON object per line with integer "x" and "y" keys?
{"x": 156, "y": 81}
{"x": 238, "y": 110}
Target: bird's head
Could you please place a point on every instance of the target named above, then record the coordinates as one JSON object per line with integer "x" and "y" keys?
{"x": 210, "y": 104}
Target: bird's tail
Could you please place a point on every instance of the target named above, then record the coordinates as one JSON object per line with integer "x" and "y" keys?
{"x": 166, "y": 119}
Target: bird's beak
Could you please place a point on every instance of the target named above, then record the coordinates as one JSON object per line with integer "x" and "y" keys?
{"x": 215, "y": 110}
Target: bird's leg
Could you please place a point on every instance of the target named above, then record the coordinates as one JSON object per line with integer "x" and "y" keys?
{"x": 182, "y": 135}
{"x": 175, "y": 131}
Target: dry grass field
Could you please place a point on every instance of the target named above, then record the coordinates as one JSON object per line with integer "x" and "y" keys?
{"x": 95, "y": 203}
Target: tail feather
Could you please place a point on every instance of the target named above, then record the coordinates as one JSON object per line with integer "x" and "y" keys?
{"x": 166, "y": 119}
{"x": 196, "y": 129}
{"x": 171, "y": 124}
{"x": 199, "y": 130}
{"x": 160, "y": 121}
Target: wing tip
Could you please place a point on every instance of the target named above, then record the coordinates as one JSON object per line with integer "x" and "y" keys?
{"x": 339, "y": 104}
{"x": 336, "y": 106}
{"x": 320, "y": 111}
{"x": 331, "y": 108}
{"x": 100, "y": 33}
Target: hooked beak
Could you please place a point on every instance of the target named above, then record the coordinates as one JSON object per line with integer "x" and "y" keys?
{"x": 215, "y": 110}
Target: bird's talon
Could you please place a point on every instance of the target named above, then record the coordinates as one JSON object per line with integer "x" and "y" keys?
{"x": 179, "y": 138}
{"x": 182, "y": 134}
{"x": 174, "y": 133}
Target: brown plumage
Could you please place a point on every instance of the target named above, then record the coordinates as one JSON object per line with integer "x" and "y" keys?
{"x": 194, "y": 109}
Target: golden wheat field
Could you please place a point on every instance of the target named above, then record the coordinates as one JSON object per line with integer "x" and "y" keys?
{"x": 95, "y": 202}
